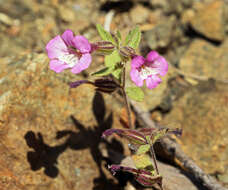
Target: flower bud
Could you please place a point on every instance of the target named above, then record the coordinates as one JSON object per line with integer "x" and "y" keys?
{"x": 133, "y": 136}
{"x": 127, "y": 52}
{"x": 106, "y": 85}
{"x": 103, "y": 47}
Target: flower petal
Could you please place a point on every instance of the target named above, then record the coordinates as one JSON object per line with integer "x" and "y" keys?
{"x": 81, "y": 43}
{"x": 58, "y": 66}
{"x": 152, "y": 55}
{"x": 56, "y": 47}
{"x": 152, "y": 81}
{"x": 161, "y": 65}
{"x": 68, "y": 37}
{"x": 83, "y": 63}
{"x": 135, "y": 77}
{"x": 137, "y": 62}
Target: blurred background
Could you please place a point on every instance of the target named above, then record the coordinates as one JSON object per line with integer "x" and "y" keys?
{"x": 50, "y": 134}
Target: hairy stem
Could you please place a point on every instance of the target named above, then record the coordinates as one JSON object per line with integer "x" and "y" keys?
{"x": 153, "y": 155}
{"x": 152, "y": 152}
{"x": 126, "y": 99}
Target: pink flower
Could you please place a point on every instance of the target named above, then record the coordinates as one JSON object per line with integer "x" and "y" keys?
{"x": 69, "y": 51}
{"x": 148, "y": 69}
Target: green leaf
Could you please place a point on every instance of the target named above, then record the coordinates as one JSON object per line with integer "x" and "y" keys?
{"x": 104, "y": 51}
{"x": 112, "y": 59}
{"x": 143, "y": 161}
{"x": 133, "y": 38}
{"x": 118, "y": 34}
{"x": 103, "y": 72}
{"x": 117, "y": 73}
{"x": 106, "y": 36}
{"x": 143, "y": 149}
{"x": 135, "y": 93}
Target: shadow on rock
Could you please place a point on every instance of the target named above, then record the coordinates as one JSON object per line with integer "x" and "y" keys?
{"x": 43, "y": 154}
{"x": 90, "y": 137}
{"x": 86, "y": 137}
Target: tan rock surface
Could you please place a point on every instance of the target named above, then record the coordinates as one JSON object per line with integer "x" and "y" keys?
{"x": 49, "y": 134}
{"x": 204, "y": 59}
{"x": 202, "y": 114}
{"x": 209, "y": 20}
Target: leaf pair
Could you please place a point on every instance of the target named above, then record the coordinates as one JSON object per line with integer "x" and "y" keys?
{"x": 132, "y": 40}
{"x": 142, "y": 139}
{"x": 114, "y": 60}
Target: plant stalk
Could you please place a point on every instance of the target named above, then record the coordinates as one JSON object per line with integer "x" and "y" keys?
{"x": 126, "y": 99}
{"x": 152, "y": 152}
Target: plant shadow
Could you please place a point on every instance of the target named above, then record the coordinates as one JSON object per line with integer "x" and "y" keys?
{"x": 45, "y": 156}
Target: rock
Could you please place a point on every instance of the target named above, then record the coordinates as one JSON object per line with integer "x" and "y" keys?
{"x": 202, "y": 114}
{"x": 187, "y": 16}
{"x": 66, "y": 13}
{"x": 223, "y": 178}
{"x": 174, "y": 178}
{"x": 49, "y": 133}
{"x": 26, "y": 25}
{"x": 139, "y": 14}
{"x": 171, "y": 6}
{"x": 205, "y": 59}
{"x": 209, "y": 20}
{"x": 160, "y": 36}
{"x": 159, "y": 3}
{"x": 226, "y": 15}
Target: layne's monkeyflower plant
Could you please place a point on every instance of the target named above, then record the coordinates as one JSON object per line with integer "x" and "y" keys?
{"x": 68, "y": 51}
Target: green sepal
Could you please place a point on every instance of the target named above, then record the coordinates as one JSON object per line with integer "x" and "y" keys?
{"x": 135, "y": 93}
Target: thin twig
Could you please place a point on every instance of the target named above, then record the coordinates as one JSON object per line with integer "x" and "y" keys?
{"x": 108, "y": 20}
{"x": 174, "y": 150}
{"x": 197, "y": 77}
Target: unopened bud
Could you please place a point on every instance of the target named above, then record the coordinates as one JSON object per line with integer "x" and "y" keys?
{"x": 127, "y": 52}
{"x": 133, "y": 136}
{"x": 103, "y": 47}
{"x": 106, "y": 85}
